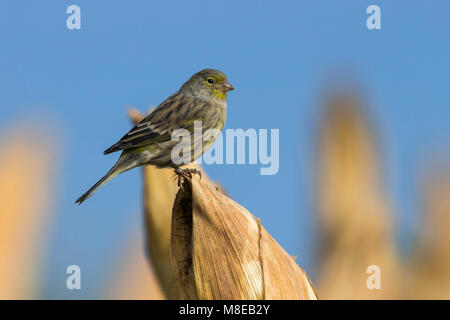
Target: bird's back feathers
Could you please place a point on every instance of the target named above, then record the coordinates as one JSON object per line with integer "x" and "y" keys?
{"x": 156, "y": 127}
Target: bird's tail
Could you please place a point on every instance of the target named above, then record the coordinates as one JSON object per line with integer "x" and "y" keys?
{"x": 122, "y": 165}
{"x": 100, "y": 183}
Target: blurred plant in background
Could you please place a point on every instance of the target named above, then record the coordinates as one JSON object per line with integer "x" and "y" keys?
{"x": 134, "y": 277}
{"x": 430, "y": 263}
{"x": 356, "y": 222}
{"x": 29, "y": 156}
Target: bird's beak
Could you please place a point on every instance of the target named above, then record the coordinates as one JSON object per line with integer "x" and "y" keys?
{"x": 227, "y": 86}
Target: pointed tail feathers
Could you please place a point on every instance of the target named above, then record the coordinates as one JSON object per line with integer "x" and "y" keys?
{"x": 100, "y": 183}
{"x": 127, "y": 161}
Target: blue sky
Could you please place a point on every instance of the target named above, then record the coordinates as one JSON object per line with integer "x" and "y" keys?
{"x": 278, "y": 55}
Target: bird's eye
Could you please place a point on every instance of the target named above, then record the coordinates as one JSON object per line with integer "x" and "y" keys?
{"x": 210, "y": 80}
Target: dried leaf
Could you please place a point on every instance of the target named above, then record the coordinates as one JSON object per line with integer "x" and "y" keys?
{"x": 221, "y": 251}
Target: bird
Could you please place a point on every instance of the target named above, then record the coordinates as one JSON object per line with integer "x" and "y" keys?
{"x": 201, "y": 99}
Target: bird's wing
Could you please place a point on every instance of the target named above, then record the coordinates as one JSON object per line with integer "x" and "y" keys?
{"x": 157, "y": 127}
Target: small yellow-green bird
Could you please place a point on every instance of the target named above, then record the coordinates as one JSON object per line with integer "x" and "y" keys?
{"x": 201, "y": 98}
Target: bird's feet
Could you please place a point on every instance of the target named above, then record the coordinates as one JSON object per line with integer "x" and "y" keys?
{"x": 186, "y": 173}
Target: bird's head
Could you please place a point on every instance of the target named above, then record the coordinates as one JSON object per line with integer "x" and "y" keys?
{"x": 208, "y": 83}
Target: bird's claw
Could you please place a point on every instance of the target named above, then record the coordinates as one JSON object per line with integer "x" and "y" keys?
{"x": 186, "y": 173}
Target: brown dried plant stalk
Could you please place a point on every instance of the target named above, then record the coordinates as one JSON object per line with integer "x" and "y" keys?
{"x": 159, "y": 190}
{"x": 221, "y": 251}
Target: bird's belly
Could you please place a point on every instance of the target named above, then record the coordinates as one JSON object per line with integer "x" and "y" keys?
{"x": 162, "y": 157}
